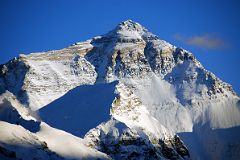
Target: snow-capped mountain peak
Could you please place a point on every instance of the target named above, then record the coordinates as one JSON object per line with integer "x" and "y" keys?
{"x": 129, "y": 94}
{"x": 129, "y": 30}
{"x": 129, "y": 25}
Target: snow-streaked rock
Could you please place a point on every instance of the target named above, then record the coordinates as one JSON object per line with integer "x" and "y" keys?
{"x": 122, "y": 142}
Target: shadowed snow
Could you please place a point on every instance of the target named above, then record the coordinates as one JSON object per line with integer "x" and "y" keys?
{"x": 81, "y": 109}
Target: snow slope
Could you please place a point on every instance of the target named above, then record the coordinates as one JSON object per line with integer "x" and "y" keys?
{"x": 23, "y": 137}
{"x": 67, "y": 145}
{"x": 17, "y": 142}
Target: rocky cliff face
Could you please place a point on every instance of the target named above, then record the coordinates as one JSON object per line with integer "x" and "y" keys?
{"x": 166, "y": 104}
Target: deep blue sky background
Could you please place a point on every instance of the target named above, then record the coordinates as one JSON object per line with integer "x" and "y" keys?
{"x": 31, "y": 26}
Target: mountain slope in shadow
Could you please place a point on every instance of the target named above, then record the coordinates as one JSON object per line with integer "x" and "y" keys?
{"x": 205, "y": 142}
{"x": 81, "y": 109}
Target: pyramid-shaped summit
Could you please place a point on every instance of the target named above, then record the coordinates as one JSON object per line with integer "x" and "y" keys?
{"x": 130, "y": 25}
{"x": 130, "y": 30}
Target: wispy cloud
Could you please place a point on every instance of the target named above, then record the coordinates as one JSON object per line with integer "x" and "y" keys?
{"x": 206, "y": 41}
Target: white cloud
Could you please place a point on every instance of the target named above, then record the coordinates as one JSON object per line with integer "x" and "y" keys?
{"x": 206, "y": 41}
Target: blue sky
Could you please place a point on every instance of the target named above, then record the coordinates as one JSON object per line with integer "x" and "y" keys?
{"x": 208, "y": 28}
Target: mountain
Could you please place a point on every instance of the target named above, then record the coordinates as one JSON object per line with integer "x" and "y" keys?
{"x": 124, "y": 95}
